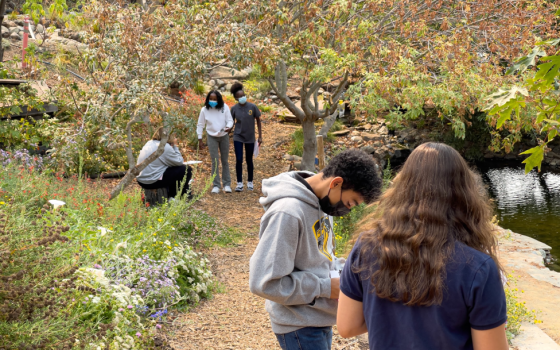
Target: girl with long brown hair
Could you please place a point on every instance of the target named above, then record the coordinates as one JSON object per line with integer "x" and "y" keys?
{"x": 425, "y": 273}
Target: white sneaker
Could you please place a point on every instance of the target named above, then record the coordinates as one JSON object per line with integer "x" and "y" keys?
{"x": 227, "y": 189}
{"x": 250, "y": 185}
{"x": 216, "y": 190}
{"x": 239, "y": 187}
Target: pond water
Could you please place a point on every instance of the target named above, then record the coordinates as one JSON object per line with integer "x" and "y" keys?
{"x": 526, "y": 204}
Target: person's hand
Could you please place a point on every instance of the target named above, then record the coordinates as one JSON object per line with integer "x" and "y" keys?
{"x": 228, "y": 129}
{"x": 260, "y": 141}
{"x": 200, "y": 144}
{"x": 335, "y": 288}
{"x": 172, "y": 141}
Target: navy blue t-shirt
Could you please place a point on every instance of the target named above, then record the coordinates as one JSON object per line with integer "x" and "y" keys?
{"x": 473, "y": 298}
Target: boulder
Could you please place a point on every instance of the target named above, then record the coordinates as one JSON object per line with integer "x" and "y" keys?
{"x": 341, "y": 132}
{"x": 40, "y": 28}
{"x": 9, "y": 24}
{"x": 5, "y": 32}
{"x": 19, "y": 22}
{"x": 14, "y": 30}
{"x": 368, "y": 149}
{"x": 228, "y": 87}
{"x": 356, "y": 133}
{"x": 212, "y": 82}
{"x": 15, "y": 36}
{"x": 367, "y": 126}
{"x": 372, "y": 137}
{"x": 220, "y": 83}
{"x": 228, "y": 73}
{"x": 357, "y": 139}
{"x": 383, "y": 130}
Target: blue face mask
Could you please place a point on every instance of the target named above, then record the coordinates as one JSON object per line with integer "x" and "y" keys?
{"x": 213, "y": 104}
{"x": 243, "y": 100}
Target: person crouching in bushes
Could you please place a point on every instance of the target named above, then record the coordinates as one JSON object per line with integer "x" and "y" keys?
{"x": 244, "y": 115}
{"x": 216, "y": 117}
{"x": 425, "y": 274}
{"x": 167, "y": 171}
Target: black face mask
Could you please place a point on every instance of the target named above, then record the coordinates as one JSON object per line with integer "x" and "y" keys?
{"x": 339, "y": 209}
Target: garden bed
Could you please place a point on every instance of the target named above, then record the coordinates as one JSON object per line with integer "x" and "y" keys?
{"x": 93, "y": 273}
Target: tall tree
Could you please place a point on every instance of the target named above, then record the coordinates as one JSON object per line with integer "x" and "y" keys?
{"x": 367, "y": 43}
{"x": 135, "y": 54}
{"x": 2, "y": 13}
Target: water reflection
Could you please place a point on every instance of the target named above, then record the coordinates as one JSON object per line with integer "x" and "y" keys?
{"x": 527, "y": 204}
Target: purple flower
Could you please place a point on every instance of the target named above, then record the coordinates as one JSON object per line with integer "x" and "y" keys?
{"x": 138, "y": 334}
{"x": 158, "y": 326}
{"x": 121, "y": 309}
{"x": 130, "y": 306}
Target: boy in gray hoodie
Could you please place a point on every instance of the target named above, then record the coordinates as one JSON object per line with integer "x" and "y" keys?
{"x": 294, "y": 266}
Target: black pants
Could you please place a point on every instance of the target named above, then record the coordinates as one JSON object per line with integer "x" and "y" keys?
{"x": 172, "y": 178}
{"x": 249, "y": 148}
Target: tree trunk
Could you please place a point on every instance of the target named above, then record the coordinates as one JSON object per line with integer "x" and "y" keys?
{"x": 309, "y": 145}
{"x": 329, "y": 122}
{"x": 2, "y": 11}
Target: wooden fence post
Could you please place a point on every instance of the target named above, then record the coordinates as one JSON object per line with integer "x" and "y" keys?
{"x": 320, "y": 152}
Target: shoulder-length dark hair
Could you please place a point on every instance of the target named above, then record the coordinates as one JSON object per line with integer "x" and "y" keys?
{"x": 218, "y": 96}
{"x": 434, "y": 201}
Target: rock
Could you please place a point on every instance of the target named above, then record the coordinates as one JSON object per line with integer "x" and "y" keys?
{"x": 5, "y": 32}
{"x": 368, "y": 126}
{"x": 321, "y": 91}
{"x": 228, "y": 87}
{"x": 228, "y": 73}
{"x": 298, "y": 89}
{"x": 383, "y": 130}
{"x": 356, "y": 133}
{"x": 40, "y": 28}
{"x": 14, "y": 30}
{"x": 220, "y": 83}
{"x": 15, "y": 36}
{"x": 20, "y": 28}
{"x": 273, "y": 97}
{"x": 357, "y": 139}
{"x": 372, "y": 137}
{"x": 223, "y": 89}
{"x": 212, "y": 82}
{"x": 9, "y": 24}
{"x": 19, "y": 22}
{"x": 378, "y": 144}
{"x": 341, "y": 132}
{"x": 368, "y": 149}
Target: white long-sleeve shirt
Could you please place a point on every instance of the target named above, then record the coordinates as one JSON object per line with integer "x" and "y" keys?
{"x": 215, "y": 120}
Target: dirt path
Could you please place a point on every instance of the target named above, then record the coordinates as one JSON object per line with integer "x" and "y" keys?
{"x": 235, "y": 318}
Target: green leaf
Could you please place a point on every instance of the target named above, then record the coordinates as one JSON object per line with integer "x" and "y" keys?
{"x": 535, "y": 159}
{"x": 502, "y": 97}
{"x": 552, "y": 134}
{"x": 548, "y": 71}
{"x": 525, "y": 62}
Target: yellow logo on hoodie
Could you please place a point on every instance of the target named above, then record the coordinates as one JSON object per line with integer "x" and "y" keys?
{"x": 324, "y": 235}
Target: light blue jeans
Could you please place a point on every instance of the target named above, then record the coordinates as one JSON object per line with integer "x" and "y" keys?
{"x": 308, "y": 338}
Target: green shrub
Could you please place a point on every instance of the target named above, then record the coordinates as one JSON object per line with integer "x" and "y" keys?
{"x": 256, "y": 87}
{"x": 198, "y": 88}
{"x": 517, "y": 312}
{"x": 265, "y": 108}
{"x": 78, "y": 274}
{"x": 296, "y": 147}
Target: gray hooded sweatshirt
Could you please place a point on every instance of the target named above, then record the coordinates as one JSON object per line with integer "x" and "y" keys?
{"x": 292, "y": 263}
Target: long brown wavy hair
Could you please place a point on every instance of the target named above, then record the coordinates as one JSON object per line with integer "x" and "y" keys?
{"x": 434, "y": 201}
